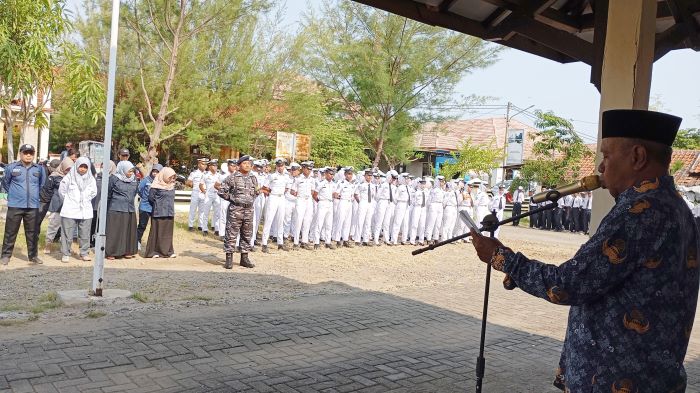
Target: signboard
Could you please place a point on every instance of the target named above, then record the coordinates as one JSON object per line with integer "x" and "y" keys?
{"x": 293, "y": 146}
{"x": 516, "y": 146}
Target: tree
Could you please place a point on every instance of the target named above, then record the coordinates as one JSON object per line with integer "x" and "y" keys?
{"x": 333, "y": 144}
{"x": 387, "y": 72}
{"x": 557, "y": 150}
{"x": 688, "y": 138}
{"x": 472, "y": 158}
{"x": 37, "y": 60}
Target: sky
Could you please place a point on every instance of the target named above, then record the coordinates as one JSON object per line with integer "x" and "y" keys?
{"x": 529, "y": 81}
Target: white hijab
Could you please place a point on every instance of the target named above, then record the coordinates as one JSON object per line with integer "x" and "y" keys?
{"x": 74, "y": 177}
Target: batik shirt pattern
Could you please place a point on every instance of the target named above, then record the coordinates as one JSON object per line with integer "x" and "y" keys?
{"x": 633, "y": 291}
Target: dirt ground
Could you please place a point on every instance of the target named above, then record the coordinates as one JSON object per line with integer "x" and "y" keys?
{"x": 196, "y": 277}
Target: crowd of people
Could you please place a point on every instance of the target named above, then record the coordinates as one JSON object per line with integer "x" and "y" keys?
{"x": 66, "y": 193}
{"x": 310, "y": 207}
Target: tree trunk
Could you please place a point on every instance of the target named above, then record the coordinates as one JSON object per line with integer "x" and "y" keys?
{"x": 9, "y": 129}
{"x": 380, "y": 145}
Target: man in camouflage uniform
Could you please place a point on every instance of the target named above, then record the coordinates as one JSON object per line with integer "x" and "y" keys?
{"x": 240, "y": 189}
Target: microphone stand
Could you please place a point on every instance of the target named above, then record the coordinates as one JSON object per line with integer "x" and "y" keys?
{"x": 490, "y": 224}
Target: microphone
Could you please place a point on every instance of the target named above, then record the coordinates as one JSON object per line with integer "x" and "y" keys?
{"x": 588, "y": 183}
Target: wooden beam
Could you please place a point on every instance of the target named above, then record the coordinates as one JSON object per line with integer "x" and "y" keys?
{"x": 421, "y": 13}
{"x": 445, "y": 5}
{"x": 670, "y": 39}
{"x": 568, "y": 44}
{"x": 559, "y": 21}
{"x": 527, "y": 45}
{"x": 587, "y": 21}
{"x": 495, "y": 18}
{"x": 682, "y": 15}
{"x": 599, "y": 33}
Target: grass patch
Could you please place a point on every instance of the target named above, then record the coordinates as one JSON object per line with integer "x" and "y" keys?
{"x": 139, "y": 297}
{"x": 202, "y": 298}
{"x": 47, "y": 301}
{"x": 11, "y": 322}
{"x": 10, "y": 307}
{"x": 95, "y": 314}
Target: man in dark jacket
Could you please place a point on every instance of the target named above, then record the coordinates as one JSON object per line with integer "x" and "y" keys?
{"x": 23, "y": 180}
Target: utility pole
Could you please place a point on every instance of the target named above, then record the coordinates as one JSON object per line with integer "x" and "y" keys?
{"x": 505, "y": 139}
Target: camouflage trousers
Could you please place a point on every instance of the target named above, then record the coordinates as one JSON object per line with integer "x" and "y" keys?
{"x": 239, "y": 221}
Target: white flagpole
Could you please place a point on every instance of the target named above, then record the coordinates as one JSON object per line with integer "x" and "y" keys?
{"x": 102, "y": 211}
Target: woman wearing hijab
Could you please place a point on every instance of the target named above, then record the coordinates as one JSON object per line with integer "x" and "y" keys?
{"x": 161, "y": 196}
{"x": 52, "y": 201}
{"x": 96, "y": 201}
{"x": 121, "y": 213}
{"x": 145, "y": 206}
{"x": 77, "y": 189}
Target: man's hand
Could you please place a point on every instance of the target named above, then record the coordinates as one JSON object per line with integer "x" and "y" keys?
{"x": 485, "y": 246}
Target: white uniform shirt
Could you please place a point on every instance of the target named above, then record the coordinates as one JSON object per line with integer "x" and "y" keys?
{"x": 498, "y": 202}
{"x": 303, "y": 186}
{"x": 402, "y": 193}
{"x": 365, "y": 192}
{"x": 277, "y": 183}
{"x": 578, "y": 201}
{"x": 420, "y": 198}
{"x": 588, "y": 203}
{"x": 519, "y": 196}
{"x": 261, "y": 178}
{"x": 437, "y": 195}
{"x": 568, "y": 201}
{"x": 209, "y": 179}
{"x": 195, "y": 177}
{"x": 325, "y": 190}
{"x": 451, "y": 198}
{"x": 386, "y": 192}
{"x": 345, "y": 189}
{"x": 290, "y": 182}
{"x": 482, "y": 199}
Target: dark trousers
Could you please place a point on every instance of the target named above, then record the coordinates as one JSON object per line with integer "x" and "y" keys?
{"x": 535, "y": 218}
{"x": 143, "y": 221}
{"x": 517, "y": 207}
{"x": 575, "y": 224}
{"x": 586, "y": 219}
{"x": 15, "y": 216}
{"x": 556, "y": 219}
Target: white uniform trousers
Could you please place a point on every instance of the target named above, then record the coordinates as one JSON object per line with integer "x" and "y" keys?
{"x": 499, "y": 215}
{"x": 418, "y": 214}
{"x": 365, "y": 212}
{"x": 274, "y": 219}
{"x": 210, "y": 204}
{"x": 303, "y": 216}
{"x": 289, "y": 211}
{"x": 343, "y": 220}
{"x": 406, "y": 223}
{"x": 221, "y": 223}
{"x": 195, "y": 208}
{"x": 400, "y": 211}
{"x": 481, "y": 212}
{"x": 324, "y": 222}
{"x": 433, "y": 221}
{"x": 449, "y": 217}
{"x": 460, "y": 226}
{"x": 383, "y": 212}
{"x": 353, "y": 223}
{"x": 258, "y": 208}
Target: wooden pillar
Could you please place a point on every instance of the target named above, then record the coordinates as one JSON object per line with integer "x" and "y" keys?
{"x": 626, "y": 72}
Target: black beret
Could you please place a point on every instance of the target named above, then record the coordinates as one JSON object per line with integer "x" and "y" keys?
{"x": 635, "y": 123}
{"x": 243, "y": 159}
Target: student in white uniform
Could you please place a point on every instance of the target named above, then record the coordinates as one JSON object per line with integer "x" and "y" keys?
{"x": 386, "y": 202}
{"x": 435, "y": 210}
{"x": 195, "y": 201}
{"x": 518, "y": 199}
{"x": 403, "y": 197}
{"x": 411, "y": 185}
{"x": 418, "y": 213}
{"x": 498, "y": 203}
{"x": 449, "y": 213}
{"x": 466, "y": 204}
{"x": 290, "y": 207}
{"x": 210, "y": 203}
{"x": 323, "y": 195}
{"x": 364, "y": 195}
{"x": 302, "y": 188}
{"x": 481, "y": 202}
{"x": 259, "y": 202}
{"x": 344, "y": 194}
{"x": 275, "y": 187}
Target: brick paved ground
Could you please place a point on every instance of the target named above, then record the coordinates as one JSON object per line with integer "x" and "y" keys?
{"x": 365, "y": 342}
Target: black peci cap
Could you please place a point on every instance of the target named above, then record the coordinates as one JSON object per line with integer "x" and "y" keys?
{"x": 244, "y": 159}
{"x": 641, "y": 124}
{"x": 27, "y": 148}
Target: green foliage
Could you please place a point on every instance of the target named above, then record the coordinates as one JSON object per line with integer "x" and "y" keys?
{"x": 472, "y": 158}
{"x": 36, "y": 58}
{"x": 675, "y": 167}
{"x": 47, "y": 301}
{"x": 557, "y": 151}
{"x": 688, "y": 138}
{"x": 139, "y": 297}
{"x": 387, "y": 72}
{"x": 333, "y": 144}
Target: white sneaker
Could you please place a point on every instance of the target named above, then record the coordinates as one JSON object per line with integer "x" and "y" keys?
{"x": 65, "y": 259}
{"x": 156, "y": 256}
{"x": 138, "y": 246}
{"x": 173, "y": 256}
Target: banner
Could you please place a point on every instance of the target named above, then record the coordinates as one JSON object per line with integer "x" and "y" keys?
{"x": 514, "y": 155}
{"x": 293, "y": 146}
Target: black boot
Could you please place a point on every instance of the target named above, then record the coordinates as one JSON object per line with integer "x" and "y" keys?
{"x": 245, "y": 262}
{"x": 229, "y": 261}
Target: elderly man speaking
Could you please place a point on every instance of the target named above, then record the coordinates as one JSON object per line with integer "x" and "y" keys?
{"x": 633, "y": 287}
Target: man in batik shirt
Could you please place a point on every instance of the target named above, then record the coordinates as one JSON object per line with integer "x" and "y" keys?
{"x": 633, "y": 287}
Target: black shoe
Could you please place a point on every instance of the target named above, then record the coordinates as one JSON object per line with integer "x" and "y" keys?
{"x": 348, "y": 244}
{"x": 296, "y": 247}
{"x": 265, "y": 250}
{"x": 316, "y": 246}
{"x": 229, "y": 261}
{"x": 282, "y": 247}
{"x": 307, "y": 246}
{"x": 205, "y": 233}
{"x": 36, "y": 260}
{"x": 245, "y": 262}
{"x": 330, "y": 246}
{"x": 190, "y": 229}
{"x": 252, "y": 249}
